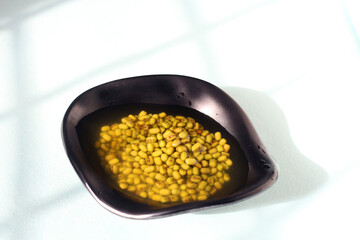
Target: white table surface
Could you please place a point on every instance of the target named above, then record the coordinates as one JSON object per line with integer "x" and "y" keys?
{"x": 294, "y": 67}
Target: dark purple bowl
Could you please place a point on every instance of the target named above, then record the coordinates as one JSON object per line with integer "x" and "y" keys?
{"x": 253, "y": 171}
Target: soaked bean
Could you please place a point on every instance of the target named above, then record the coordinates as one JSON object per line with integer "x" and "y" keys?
{"x": 164, "y": 158}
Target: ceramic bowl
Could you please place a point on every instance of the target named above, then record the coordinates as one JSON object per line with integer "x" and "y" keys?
{"x": 253, "y": 171}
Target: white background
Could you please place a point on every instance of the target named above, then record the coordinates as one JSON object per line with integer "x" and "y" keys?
{"x": 293, "y": 65}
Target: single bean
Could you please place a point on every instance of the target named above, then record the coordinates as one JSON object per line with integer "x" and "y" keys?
{"x": 149, "y": 169}
{"x": 114, "y": 161}
{"x": 222, "y": 158}
{"x": 156, "y": 153}
{"x": 114, "y": 169}
{"x": 191, "y": 191}
{"x": 127, "y": 171}
{"x": 183, "y": 134}
{"x": 200, "y": 140}
{"x": 174, "y": 198}
{"x": 160, "y": 185}
{"x": 160, "y": 177}
{"x": 169, "y": 150}
{"x": 185, "y": 166}
{"x": 170, "y": 180}
{"x": 164, "y": 191}
{"x": 159, "y": 136}
{"x": 202, "y": 197}
{"x": 204, "y": 163}
{"x": 154, "y": 130}
{"x": 226, "y": 167}
{"x": 175, "y": 143}
{"x": 162, "y": 143}
{"x": 218, "y": 136}
{"x": 195, "y": 179}
{"x": 226, "y": 147}
{"x": 169, "y": 171}
{"x": 181, "y": 149}
{"x": 143, "y": 194}
{"x": 191, "y": 185}
{"x": 195, "y": 171}
{"x": 196, "y": 147}
{"x": 150, "y": 147}
{"x": 164, "y": 157}
{"x": 105, "y": 128}
{"x": 228, "y": 162}
{"x": 170, "y": 161}
{"x": 150, "y": 181}
{"x": 137, "y": 180}
{"x": 212, "y": 151}
{"x": 173, "y": 186}
{"x": 202, "y": 185}
{"x": 183, "y": 156}
{"x": 142, "y": 154}
{"x": 216, "y": 155}
{"x": 162, "y": 170}
{"x": 218, "y": 185}
{"x": 175, "y": 191}
{"x": 156, "y": 197}
{"x": 189, "y": 161}
{"x": 205, "y": 170}
{"x": 137, "y": 171}
{"x": 212, "y": 163}
{"x": 149, "y": 160}
{"x": 182, "y": 172}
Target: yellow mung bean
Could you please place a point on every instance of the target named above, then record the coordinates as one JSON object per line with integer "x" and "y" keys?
{"x": 195, "y": 170}
{"x": 160, "y": 177}
{"x": 158, "y": 161}
{"x": 205, "y": 170}
{"x": 149, "y": 180}
{"x": 218, "y": 136}
{"x": 170, "y": 180}
{"x": 182, "y": 172}
{"x": 218, "y": 185}
{"x": 150, "y": 147}
{"x": 142, "y": 154}
{"x": 149, "y": 169}
{"x": 222, "y": 158}
{"x": 113, "y": 161}
{"x": 169, "y": 150}
{"x": 156, "y": 153}
{"x": 216, "y": 155}
{"x": 195, "y": 178}
{"x": 164, "y": 191}
{"x": 228, "y": 162}
{"x": 176, "y": 175}
{"x": 137, "y": 171}
{"x": 202, "y": 197}
{"x": 154, "y": 130}
{"x": 202, "y": 185}
{"x": 190, "y": 161}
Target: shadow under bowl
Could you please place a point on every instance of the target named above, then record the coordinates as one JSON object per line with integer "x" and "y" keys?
{"x": 253, "y": 169}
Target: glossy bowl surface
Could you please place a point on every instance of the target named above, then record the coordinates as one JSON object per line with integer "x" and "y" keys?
{"x": 175, "y": 94}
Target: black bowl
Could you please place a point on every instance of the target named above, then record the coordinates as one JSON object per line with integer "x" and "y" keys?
{"x": 253, "y": 170}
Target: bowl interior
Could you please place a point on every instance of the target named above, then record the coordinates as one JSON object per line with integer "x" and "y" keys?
{"x": 253, "y": 170}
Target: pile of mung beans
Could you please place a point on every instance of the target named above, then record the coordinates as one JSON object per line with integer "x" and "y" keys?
{"x": 164, "y": 158}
